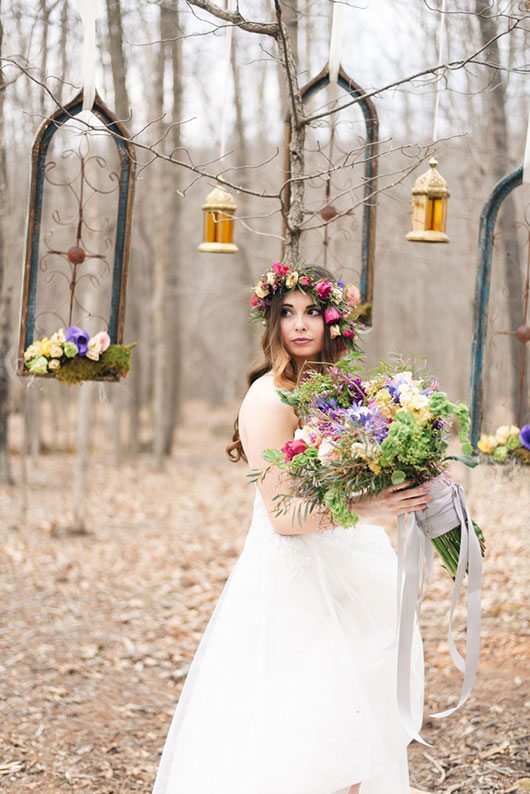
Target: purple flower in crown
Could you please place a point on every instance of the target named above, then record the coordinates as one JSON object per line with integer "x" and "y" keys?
{"x": 79, "y": 337}
{"x": 524, "y": 436}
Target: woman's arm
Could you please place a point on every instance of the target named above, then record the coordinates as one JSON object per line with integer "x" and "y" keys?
{"x": 266, "y": 422}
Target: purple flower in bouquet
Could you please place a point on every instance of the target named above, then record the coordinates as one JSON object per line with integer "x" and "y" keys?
{"x": 370, "y": 418}
{"x": 79, "y": 337}
{"x": 357, "y": 392}
{"x": 524, "y": 436}
{"x": 397, "y": 383}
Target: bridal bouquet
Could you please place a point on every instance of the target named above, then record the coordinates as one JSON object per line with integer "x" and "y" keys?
{"x": 74, "y": 355}
{"x": 358, "y": 435}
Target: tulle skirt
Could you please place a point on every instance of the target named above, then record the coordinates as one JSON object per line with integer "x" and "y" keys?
{"x": 292, "y": 689}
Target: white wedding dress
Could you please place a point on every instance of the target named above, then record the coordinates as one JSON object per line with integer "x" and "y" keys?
{"x": 292, "y": 689}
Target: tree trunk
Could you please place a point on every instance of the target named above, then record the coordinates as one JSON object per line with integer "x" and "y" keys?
{"x": 172, "y": 32}
{"x": 124, "y": 399}
{"x": 161, "y": 368}
{"x": 5, "y": 302}
{"x": 497, "y": 129}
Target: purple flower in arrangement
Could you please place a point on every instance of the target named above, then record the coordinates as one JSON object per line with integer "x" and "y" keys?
{"x": 524, "y": 436}
{"x": 341, "y": 283}
{"x": 438, "y": 424}
{"x": 79, "y": 337}
{"x": 369, "y": 418}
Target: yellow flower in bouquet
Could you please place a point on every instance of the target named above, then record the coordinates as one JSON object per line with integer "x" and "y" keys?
{"x": 385, "y": 403}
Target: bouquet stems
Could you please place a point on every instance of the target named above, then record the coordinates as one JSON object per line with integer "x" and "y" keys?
{"x": 448, "y": 547}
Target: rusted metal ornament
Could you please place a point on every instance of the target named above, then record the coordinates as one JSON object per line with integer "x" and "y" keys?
{"x": 76, "y": 255}
{"x": 522, "y": 332}
{"x": 328, "y": 212}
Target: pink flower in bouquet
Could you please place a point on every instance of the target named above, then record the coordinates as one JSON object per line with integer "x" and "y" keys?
{"x": 280, "y": 269}
{"x": 292, "y": 448}
{"x": 103, "y": 339}
{"x": 323, "y": 289}
{"x": 353, "y": 295}
{"x": 331, "y": 315}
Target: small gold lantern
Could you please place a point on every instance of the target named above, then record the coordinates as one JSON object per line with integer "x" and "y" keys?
{"x": 219, "y": 209}
{"x": 429, "y": 207}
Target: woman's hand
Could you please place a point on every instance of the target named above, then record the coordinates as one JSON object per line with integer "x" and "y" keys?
{"x": 392, "y": 501}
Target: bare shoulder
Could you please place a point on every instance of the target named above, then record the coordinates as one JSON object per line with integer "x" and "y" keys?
{"x": 263, "y": 398}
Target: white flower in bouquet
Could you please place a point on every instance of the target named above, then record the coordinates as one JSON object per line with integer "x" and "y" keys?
{"x": 326, "y": 452}
{"x": 308, "y": 434}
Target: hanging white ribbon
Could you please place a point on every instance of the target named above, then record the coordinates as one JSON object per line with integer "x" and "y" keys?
{"x": 440, "y": 61}
{"x": 335, "y": 42}
{"x": 231, "y": 5}
{"x": 447, "y": 509}
{"x": 88, "y": 11}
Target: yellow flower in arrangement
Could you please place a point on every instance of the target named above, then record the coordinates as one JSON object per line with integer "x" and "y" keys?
{"x": 260, "y": 291}
{"x": 487, "y": 444}
{"x": 45, "y": 346}
{"x": 291, "y": 279}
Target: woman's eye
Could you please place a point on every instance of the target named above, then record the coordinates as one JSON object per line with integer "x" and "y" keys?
{"x": 315, "y": 310}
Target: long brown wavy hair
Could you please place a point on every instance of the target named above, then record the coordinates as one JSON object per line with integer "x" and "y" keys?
{"x": 275, "y": 357}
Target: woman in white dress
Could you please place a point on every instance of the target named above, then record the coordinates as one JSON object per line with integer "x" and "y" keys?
{"x": 292, "y": 689}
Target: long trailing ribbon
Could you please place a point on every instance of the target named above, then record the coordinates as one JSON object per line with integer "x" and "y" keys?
{"x": 335, "y": 42}
{"x": 88, "y": 11}
{"x": 415, "y": 548}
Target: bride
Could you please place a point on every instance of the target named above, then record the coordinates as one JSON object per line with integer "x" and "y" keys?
{"x": 292, "y": 687}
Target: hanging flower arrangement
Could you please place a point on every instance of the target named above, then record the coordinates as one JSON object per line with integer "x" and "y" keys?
{"x": 73, "y": 356}
{"x": 507, "y": 444}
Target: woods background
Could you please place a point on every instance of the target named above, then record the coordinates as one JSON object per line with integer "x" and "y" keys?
{"x": 161, "y": 67}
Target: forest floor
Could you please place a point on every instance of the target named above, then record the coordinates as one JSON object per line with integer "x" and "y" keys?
{"x": 99, "y": 628}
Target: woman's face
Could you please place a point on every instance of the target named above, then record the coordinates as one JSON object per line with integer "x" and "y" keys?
{"x": 302, "y": 326}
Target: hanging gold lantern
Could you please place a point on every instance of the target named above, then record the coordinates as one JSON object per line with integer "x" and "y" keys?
{"x": 219, "y": 209}
{"x": 429, "y": 207}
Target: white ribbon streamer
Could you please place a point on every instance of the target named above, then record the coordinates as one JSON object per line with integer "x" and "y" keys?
{"x": 440, "y": 61}
{"x": 228, "y": 45}
{"x": 414, "y": 548}
{"x": 88, "y": 11}
{"x": 335, "y": 43}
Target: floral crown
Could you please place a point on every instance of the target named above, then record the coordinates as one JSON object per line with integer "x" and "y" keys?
{"x": 336, "y": 298}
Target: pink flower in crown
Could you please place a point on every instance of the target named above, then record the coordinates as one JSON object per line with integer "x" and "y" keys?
{"x": 292, "y": 448}
{"x": 323, "y": 289}
{"x": 348, "y": 333}
{"x": 331, "y": 315}
{"x": 282, "y": 270}
{"x": 254, "y": 300}
{"x": 305, "y": 281}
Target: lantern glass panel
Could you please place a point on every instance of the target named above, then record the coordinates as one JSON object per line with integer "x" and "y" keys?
{"x": 209, "y": 226}
{"x": 434, "y": 214}
{"x": 224, "y": 228}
